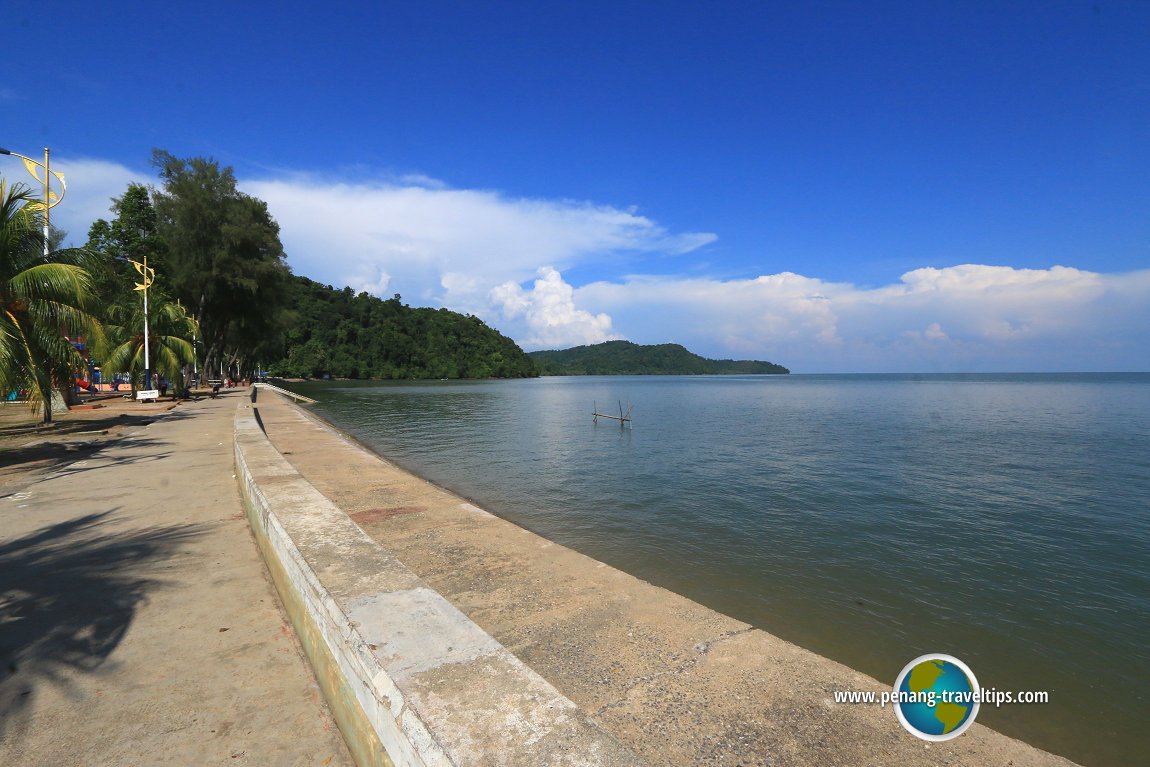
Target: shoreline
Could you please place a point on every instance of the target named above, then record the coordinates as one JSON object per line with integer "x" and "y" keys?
{"x": 636, "y": 680}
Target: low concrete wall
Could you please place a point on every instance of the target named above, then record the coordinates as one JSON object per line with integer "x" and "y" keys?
{"x": 411, "y": 680}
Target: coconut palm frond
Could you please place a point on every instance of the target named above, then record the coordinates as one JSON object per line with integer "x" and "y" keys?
{"x": 53, "y": 282}
{"x": 170, "y": 330}
{"x": 41, "y": 302}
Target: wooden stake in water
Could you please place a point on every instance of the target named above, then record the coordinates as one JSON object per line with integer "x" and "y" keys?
{"x": 623, "y": 419}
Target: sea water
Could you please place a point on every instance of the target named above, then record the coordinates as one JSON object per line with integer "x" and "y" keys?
{"x": 1002, "y": 519}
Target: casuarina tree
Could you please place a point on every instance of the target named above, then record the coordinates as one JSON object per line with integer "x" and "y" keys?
{"x": 224, "y": 260}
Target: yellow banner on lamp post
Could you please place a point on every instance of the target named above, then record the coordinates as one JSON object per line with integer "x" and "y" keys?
{"x": 52, "y": 198}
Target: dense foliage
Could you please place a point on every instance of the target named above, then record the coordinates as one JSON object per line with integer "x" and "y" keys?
{"x": 130, "y": 236}
{"x": 219, "y": 299}
{"x": 133, "y": 236}
{"x": 626, "y": 358}
{"x": 43, "y": 301}
{"x": 224, "y": 260}
{"x": 170, "y": 329}
{"x": 217, "y": 256}
{"x": 348, "y": 335}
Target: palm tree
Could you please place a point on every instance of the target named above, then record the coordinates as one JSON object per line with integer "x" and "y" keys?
{"x": 170, "y": 329}
{"x": 42, "y": 303}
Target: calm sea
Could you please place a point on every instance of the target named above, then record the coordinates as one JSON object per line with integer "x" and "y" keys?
{"x": 1003, "y": 519}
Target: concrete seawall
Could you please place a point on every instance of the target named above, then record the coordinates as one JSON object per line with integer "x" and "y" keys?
{"x": 665, "y": 681}
{"x": 410, "y": 679}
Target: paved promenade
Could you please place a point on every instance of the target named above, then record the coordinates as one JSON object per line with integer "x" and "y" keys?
{"x": 137, "y": 622}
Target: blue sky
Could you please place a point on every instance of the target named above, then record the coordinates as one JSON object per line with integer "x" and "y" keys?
{"x": 835, "y": 186}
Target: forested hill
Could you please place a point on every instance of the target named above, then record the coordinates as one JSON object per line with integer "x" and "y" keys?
{"x": 626, "y": 358}
{"x": 348, "y": 335}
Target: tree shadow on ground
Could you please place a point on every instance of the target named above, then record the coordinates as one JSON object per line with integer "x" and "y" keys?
{"x": 69, "y": 468}
{"x": 68, "y": 593}
{"x": 69, "y": 426}
{"x": 54, "y": 448}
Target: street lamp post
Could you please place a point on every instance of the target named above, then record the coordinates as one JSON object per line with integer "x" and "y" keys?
{"x": 51, "y": 199}
{"x": 149, "y": 276}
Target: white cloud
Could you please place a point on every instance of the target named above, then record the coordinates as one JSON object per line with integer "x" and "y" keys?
{"x": 546, "y": 317}
{"x": 968, "y": 317}
{"x": 450, "y": 246}
{"x": 933, "y": 332}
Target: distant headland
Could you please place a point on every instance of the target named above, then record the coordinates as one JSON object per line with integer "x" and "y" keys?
{"x": 626, "y": 358}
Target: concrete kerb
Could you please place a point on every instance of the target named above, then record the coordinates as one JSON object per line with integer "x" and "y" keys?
{"x": 410, "y": 679}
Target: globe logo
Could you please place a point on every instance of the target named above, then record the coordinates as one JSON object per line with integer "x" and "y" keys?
{"x": 936, "y": 697}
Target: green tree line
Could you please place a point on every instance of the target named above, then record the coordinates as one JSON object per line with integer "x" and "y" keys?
{"x": 626, "y": 358}
{"x": 347, "y": 335}
{"x": 217, "y": 257}
{"x": 221, "y": 298}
